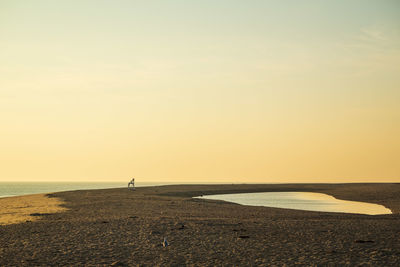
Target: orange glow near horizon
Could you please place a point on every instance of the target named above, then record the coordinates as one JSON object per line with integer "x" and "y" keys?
{"x": 200, "y": 92}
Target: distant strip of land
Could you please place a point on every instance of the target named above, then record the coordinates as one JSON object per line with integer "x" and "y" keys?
{"x": 122, "y": 227}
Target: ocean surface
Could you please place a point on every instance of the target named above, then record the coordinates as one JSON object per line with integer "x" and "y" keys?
{"x": 9, "y": 189}
{"x": 302, "y": 201}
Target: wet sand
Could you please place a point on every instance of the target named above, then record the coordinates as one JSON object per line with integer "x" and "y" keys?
{"x": 121, "y": 227}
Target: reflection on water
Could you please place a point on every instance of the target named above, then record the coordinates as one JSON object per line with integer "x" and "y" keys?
{"x": 302, "y": 201}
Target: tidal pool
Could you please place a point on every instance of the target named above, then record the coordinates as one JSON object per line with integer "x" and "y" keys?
{"x": 302, "y": 201}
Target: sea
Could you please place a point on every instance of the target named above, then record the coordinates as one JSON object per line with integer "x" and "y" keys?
{"x": 10, "y": 189}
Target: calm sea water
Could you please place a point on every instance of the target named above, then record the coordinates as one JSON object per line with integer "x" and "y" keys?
{"x": 8, "y": 189}
{"x": 302, "y": 201}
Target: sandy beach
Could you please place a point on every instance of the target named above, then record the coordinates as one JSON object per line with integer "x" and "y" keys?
{"x": 27, "y": 208}
{"x": 120, "y": 227}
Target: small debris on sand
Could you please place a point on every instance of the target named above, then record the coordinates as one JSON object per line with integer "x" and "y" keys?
{"x": 118, "y": 263}
{"x": 165, "y": 242}
{"x": 364, "y": 241}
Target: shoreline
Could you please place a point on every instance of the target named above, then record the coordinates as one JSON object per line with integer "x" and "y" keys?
{"x": 158, "y": 184}
{"x": 45, "y": 202}
{"x": 125, "y": 227}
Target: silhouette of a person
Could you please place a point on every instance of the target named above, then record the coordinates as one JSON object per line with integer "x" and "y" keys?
{"x": 132, "y": 182}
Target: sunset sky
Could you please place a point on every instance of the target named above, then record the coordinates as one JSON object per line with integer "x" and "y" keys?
{"x": 200, "y": 91}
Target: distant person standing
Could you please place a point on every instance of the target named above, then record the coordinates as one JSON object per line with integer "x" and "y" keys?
{"x": 132, "y": 183}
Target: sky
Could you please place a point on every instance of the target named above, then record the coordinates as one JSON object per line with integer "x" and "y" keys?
{"x": 200, "y": 91}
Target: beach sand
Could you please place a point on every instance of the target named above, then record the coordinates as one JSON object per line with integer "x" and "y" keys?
{"x": 121, "y": 227}
{"x": 27, "y": 208}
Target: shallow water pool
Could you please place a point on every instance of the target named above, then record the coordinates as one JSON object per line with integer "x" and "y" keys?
{"x": 302, "y": 201}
